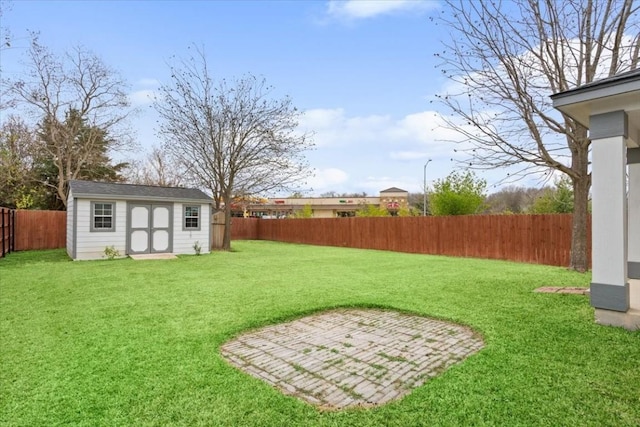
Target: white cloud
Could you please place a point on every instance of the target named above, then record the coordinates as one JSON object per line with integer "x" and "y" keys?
{"x": 322, "y": 118}
{"x": 363, "y": 9}
{"x": 142, "y": 97}
{"x": 148, "y": 82}
{"x": 374, "y": 152}
{"x": 408, "y": 155}
{"x": 414, "y": 136}
{"x": 374, "y": 184}
{"x": 392, "y": 149}
{"x": 332, "y": 127}
{"x": 327, "y": 179}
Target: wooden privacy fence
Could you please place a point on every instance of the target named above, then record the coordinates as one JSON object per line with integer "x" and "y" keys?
{"x": 7, "y": 231}
{"x": 245, "y": 228}
{"x": 40, "y": 230}
{"x": 540, "y": 239}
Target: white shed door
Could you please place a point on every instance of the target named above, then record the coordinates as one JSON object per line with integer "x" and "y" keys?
{"x": 149, "y": 228}
{"x": 139, "y": 231}
{"x": 160, "y": 229}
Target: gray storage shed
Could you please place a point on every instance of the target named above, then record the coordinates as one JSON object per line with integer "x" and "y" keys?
{"x": 135, "y": 219}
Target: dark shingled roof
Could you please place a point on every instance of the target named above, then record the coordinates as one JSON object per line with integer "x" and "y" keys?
{"x": 112, "y": 190}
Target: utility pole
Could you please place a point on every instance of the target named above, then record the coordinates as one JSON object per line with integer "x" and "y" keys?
{"x": 424, "y": 188}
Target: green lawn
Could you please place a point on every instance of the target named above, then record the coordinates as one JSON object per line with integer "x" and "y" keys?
{"x": 108, "y": 343}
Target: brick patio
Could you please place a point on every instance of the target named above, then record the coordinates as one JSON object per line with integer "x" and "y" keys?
{"x": 563, "y": 290}
{"x": 351, "y": 357}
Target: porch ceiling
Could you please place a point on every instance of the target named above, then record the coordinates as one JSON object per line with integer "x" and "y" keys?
{"x": 613, "y": 94}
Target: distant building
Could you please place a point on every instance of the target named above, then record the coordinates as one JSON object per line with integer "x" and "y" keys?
{"x": 393, "y": 199}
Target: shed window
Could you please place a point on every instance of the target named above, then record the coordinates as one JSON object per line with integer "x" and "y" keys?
{"x": 102, "y": 216}
{"x": 192, "y": 217}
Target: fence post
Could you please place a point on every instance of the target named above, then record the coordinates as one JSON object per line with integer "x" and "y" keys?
{"x": 12, "y": 230}
{"x": 3, "y": 232}
{"x": 7, "y": 231}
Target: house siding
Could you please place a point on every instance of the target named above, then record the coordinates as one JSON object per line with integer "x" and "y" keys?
{"x": 91, "y": 245}
{"x": 183, "y": 241}
{"x": 70, "y": 224}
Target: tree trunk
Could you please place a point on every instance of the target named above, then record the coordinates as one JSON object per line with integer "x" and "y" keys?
{"x": 226, "y": 242}
{"x": 581, "y": 184}
{"x": 579, "y": 255}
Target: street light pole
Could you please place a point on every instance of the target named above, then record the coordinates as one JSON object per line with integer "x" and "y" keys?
{"x": 424, "y": 201}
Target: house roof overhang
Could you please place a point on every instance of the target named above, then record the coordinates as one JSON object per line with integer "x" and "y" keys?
{"x": 619, "y": 92}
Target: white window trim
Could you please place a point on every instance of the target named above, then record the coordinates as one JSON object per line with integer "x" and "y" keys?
{"x": 184, "y": 218}
{"x": 93, "y": 216}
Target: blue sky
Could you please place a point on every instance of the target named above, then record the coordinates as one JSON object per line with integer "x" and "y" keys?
{"x": 363, "y": 71}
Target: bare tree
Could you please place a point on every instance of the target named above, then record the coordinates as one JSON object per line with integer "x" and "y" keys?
{"x": 80, "y": 105}
{"x": 513, "y": 199}
{"x": 504, "y": 60}
{"x": 6, "y": 38}
{"x": 233, "y": 137}
{"x": 158, "y": 168}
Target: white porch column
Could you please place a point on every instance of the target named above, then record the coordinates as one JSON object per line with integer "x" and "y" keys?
{"x": 633, "y": 160}
{"x": 609, "y": 287}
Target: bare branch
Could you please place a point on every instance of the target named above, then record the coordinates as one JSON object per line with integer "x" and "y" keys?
{"x": 505, "y": 59}
{"x": 233, "y": 136}
{"x": 81, "y": 106}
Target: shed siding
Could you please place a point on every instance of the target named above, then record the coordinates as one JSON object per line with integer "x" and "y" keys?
{"x": 183, "y": 241}
{"x": 91, "y": 245}
{"x": 70, "y": 225}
